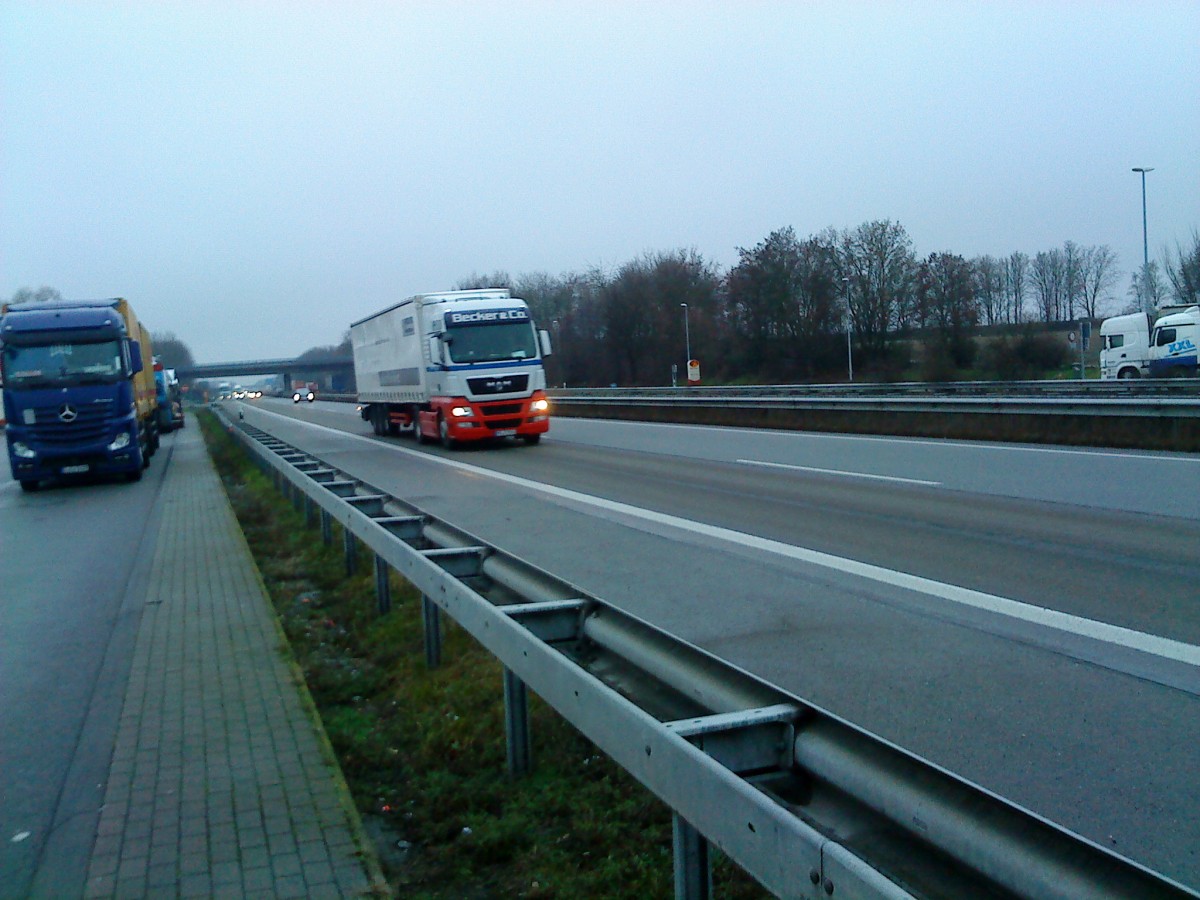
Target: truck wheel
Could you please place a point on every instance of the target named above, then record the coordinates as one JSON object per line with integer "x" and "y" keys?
{"x": 531, "y": 439}
{"x": 1129, "y": 373}
{"x": 444, "y": 430}
{"x": 30, "y": 485}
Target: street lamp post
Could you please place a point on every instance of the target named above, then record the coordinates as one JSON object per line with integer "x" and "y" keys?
{"x": 849, "y": 323}
{"x": 687, "y": 336}
{"x": 1145, "y": 237}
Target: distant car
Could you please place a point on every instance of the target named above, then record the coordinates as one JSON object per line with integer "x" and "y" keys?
{"x": 304, "y": 394}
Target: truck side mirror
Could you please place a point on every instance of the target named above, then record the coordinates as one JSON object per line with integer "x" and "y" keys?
{"x": 435, "y": 351}
{"x": 544, "y": 340}
{"x": 135, "y": 357}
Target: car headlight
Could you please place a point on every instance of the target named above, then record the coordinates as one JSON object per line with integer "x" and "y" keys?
{"x": 539, "y": 405}
{"x": 24, "y": 451}
{"x": 311, "y": 396}
{"x": 461, "y": 411}
{"x": 120, "y": 442}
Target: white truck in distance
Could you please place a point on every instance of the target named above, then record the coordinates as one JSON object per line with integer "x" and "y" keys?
{"x": 455, "y": 367}
{"x": 1131, "y": 348}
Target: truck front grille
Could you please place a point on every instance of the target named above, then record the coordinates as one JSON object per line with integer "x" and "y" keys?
{"x": 91, "y": 423}
{"x": 500, "y": 409}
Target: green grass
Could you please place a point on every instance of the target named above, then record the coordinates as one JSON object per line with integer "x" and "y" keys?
{"x": 423, "y": 750}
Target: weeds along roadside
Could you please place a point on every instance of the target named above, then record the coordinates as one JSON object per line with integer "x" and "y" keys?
{"x": 422, "y": 750}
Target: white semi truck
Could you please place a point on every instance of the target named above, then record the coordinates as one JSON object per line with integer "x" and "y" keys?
{"x": 454, "y": 367}
{"x": 1132, "y": 348}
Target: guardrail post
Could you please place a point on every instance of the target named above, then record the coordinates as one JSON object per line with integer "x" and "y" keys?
{"x": 383, "y": 590}
{"x": 309, "y": 511}
{"x": 516, "y": 724}
{"x": 431, "y": 617}
{"x": 326, "y": 528}
{"x": 349, "y": 549}
{"x": 693, "y": 872}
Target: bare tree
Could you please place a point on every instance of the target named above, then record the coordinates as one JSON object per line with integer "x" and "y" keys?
{"x": 1016, "y": 284}
{"x": 1047, "y": 276}
{"x": 1183, "y": 272}
{"x": 1098, "y": 276}
{"x": 170, "y": 350}
{"x": 473, "y": 282}
{"x": 1147, "y": 289}
{"x": 785, "y": 297}
{"x": 1072, "y": 281}
{"x": 988, "y": 276}
{"x": 41, "y": 295}
{"x": 644, "y": 324}
{"x": 877, "y": 260}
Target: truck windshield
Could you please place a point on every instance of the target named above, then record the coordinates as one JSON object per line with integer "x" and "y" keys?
{"x": 492, "y": 343}
{"x": 47, "y": 364}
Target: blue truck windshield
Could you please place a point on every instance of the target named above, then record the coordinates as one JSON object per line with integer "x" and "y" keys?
{"x": 53, "y": 364}
{"x": 492, "y": 343}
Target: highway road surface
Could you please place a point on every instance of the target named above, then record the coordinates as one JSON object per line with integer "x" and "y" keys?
{"x": 1026, "y": 617}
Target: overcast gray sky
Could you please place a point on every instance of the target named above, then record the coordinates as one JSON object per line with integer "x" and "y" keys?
{"x": 256, "y": 175}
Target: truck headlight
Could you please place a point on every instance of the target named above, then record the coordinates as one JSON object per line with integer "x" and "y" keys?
{"x": 120, "y": 442}
{"x": 23, "y": 450}
{"x": 461, "y": 411}
{"x": 539, "y": 405}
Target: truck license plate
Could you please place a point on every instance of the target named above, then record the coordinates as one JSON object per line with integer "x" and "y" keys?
{"x": 506, "y": 432}
{"x": 75, "y": 470}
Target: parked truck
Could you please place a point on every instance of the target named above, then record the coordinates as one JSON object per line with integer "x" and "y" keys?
{"x": 77, "y": 396}
{"x": 1132, "y": 347}
{"x": 454, "y": 367}
{"x": 170, "y": 399}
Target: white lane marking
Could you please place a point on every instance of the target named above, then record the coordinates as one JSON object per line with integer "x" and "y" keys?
{"x": 774, "y": 465}
{"x": 1165, "y": 648}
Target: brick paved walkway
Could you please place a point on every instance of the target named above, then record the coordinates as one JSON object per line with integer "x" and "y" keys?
{"x": 221, "y": 784}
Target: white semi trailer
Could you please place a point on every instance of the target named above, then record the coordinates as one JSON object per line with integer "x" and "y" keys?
{"x": 454, "y": 367}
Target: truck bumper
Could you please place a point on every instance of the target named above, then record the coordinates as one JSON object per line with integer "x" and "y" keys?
{"x": 71, "y": 461}
{"x": 488, "y": 420}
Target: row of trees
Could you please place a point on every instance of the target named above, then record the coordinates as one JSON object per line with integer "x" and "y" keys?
{"x": 786, "y": 310}
{"x": 778, "y": 312}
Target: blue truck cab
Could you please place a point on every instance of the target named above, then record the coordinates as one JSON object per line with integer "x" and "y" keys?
{"x": 77, "y": 396}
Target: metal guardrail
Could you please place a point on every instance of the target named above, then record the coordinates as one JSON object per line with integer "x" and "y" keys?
{"x": 1148, "y": 415}
{"x": 809, "y": 805}
{"x": 1138, "y": 389}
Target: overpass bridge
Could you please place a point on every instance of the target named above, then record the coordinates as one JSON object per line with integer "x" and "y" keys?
{"x": 339, "y": 369}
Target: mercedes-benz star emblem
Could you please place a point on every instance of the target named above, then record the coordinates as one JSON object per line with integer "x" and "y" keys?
{"x": 67, "y": 413}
